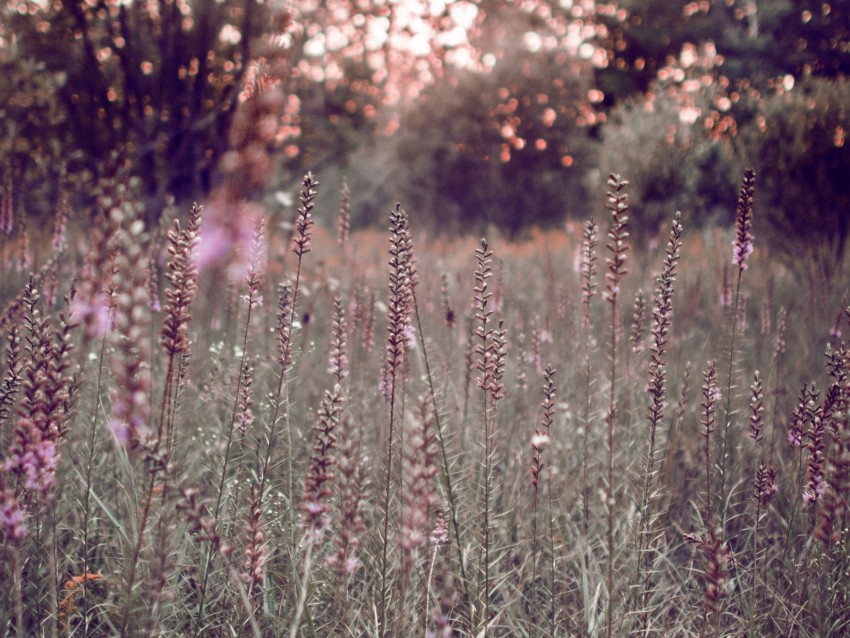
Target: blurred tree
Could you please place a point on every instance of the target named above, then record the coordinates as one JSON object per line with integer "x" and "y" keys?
{"x": 676, "y": 145}
{"x": 34, "y": 131}
{"x": 508, "y": 147}
{"x": 671, "y": 159}
{"x": 805, "y": 37}
{"x": 159, "y": 81}
{"x": 800, "y": 148}
{"x": 758, "y": 40}
{"x": 640, "y": 37}
{"x": 358, "y": 62}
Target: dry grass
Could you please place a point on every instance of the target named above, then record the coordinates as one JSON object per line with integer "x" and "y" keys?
{"x": 316, "y": 450}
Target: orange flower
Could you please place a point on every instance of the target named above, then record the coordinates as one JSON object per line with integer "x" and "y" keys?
{"x": 67, "y": 606}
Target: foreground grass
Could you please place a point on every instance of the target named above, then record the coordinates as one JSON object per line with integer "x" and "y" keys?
{"x": 553, "y": 438}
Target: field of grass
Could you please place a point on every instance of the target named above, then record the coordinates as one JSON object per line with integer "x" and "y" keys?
{"x": 321, "y": 434}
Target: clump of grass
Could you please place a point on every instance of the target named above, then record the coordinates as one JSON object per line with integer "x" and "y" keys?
{"x": 267, "y": 470}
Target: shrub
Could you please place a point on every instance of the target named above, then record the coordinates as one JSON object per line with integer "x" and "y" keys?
{"x": 672, "y": 163}
{"x": 798, "y": 145}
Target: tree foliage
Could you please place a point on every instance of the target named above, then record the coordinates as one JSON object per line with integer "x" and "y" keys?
{"x": 758, "y": 40}
{"x": 158, "y": 81}
{"x": 804, "y": 161}
{"x": 672, "y": 164}
{"x": 506, "y": 147}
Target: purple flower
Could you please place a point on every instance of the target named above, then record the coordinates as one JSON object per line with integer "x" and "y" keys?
{"x": 795, "y": 438}
{"x": 743, "y": 244}
{"x": 741, "y": 252}
{"x": 34, "y": 456}
{"x": 13, "y": 517}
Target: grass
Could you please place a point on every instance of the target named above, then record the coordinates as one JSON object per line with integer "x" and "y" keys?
{"x": 365, "y": 436}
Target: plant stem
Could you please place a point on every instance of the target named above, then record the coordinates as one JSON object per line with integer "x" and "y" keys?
{"x": 728, "y": 408}
{"x": 447, "y": 479}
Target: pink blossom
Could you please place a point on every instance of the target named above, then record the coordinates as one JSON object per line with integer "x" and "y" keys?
{"x": 409, "y": 334}
{"x": 215, "y": 247}
{"x": 94, "y": 312}
{"x": 743, "y": 249}
{"x": 13, "y": 517}
{"x": 252, "y": 300}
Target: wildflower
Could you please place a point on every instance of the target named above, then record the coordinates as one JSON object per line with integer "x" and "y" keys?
{"x": 743, "y": 243}
{"x": 253, "y": 301}
{"x": 67, "y": 606}
{"x": 338, "y": 360}
{"x": 344, "y": 220}
{"x": 255, "y": 546}
{"x": 316, "y": 484}
{"x": 765, "y": 484}
{"x": 13, "y": 517}
{"x": 539, "y": 440}
{"x": 301, "y": 241}
{"x": 756, "y": 408}
{"x": 440, "y": 533}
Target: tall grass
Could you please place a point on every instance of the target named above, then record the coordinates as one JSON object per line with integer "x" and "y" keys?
{"x": 268, "y": 471}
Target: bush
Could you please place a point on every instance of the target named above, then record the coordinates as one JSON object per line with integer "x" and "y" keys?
{"x": 798, "y": 145}
{"x": 670, "y": 162}
{"x": 506, "y": 147}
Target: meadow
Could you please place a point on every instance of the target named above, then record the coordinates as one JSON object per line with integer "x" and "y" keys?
{"x": 283, "y": 429}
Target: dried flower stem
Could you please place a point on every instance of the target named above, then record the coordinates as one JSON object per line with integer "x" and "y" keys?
{"x": 88, "y": 486}
{"x": 743, "y": 247}
{"x": 588, "y": 290}
{"x": 344, "y": 221}
{"x": 301, "y": 245}
{"x": 398, "y": 321}
{"x": 617, "y": 247}
{"x": 710, "y": 394}
{"x": 446, "y": 472}
{"x": 351, "y": 501}
{"x": 183, "y": 275}
{"x": 484, "y": 349}
{"x": 314, "y": 504}
{"x": 657, "y": 388}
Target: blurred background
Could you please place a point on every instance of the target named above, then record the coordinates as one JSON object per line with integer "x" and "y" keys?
{"x": 472, "y": 113}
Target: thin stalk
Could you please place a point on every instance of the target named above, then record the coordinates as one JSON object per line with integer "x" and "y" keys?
{"x": 301, "y": 245}
{"x": 588, "y": 273}
{"x": 610, "y": 448}
{"x": 487, "y": 469}
{"x": 756, "y": 554}
{"x": 552, "y": 617}
{"x": 585, "y": 486}
{"x": 401, "y": 280}
{"x": 793, "y": 518}
{"x": 51, "y": 628}
{"x": 617, "y": 247}
{"x": 386, "y": 505}
{"x": 223, "y": 477}
{"x": 88, "y": 482}
{"x": 724, "y": 450}
{"x": 447, "y": 479}
{"x": 165, "y": 408}
{"x": 743, "y": 248}
{"x": 305, "y": 584}
{"x": 18, "y": 590}
{"x": 134, "y": 561}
